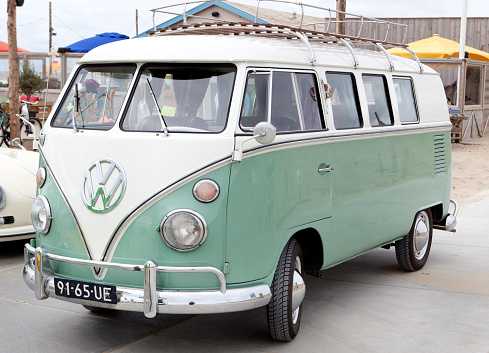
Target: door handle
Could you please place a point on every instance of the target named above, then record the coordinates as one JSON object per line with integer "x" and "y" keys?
{"x": 325, "y": 169}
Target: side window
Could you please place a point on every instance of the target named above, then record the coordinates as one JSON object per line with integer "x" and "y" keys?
{"x": 379, "y": 108}
{"x": 309, "y": 101}
{"x": 406, "y": 101}
{"x": 344, "y": 100}
{"x": 294, "y": 103}
{"x": 255, "y": 101}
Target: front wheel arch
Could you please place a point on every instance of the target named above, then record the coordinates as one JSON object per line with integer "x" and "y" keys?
{"x": 312, "y": 249}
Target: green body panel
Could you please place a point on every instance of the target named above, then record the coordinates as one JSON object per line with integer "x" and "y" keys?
{"x": 369, "y": 199}
{"x": 142, "y": 241}
{"x": 269, "y": 194}
{"x": 379, "y": 185}
{"x": 64, "y": 237}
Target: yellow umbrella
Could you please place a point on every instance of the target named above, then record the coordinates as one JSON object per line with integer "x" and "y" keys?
{"x": 437, "y": 47}
{"x": 56, "y": 66}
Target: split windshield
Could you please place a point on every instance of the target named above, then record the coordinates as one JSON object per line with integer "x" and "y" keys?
{"x": 101, "y": 92}
{"x": 178, "y": 98}
{"x": 182, "y": 98}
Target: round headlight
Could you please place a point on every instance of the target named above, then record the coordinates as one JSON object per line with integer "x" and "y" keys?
{"x": 3, "y": 198}
{"x": 206, "y": 190}
{"x": 41, "y": 214}
{"x": 41, "y": 177}
{"x": 183, "y": 230}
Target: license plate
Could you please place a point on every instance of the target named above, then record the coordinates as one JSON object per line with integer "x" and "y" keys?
{"x": 85, "y": 290}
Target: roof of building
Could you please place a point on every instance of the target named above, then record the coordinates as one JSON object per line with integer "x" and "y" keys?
{"x": 248, "y": 13}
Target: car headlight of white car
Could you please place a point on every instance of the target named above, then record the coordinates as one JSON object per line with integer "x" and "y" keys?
{"x": 183, "y": 230}
{"x": 3, "y": 198}
{"x": 41, "y": 214}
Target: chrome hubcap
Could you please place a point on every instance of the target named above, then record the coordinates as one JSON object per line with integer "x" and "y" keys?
{"x": 298, "y": 268}
{"x": 421, "y": 235}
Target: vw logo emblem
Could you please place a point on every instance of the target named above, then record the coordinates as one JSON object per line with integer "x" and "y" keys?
{"x": 103, "y": 185}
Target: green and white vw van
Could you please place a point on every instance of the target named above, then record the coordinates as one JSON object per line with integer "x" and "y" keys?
{"x": 195, "y": 172}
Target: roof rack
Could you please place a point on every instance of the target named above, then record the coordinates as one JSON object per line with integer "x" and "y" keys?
{"x": 305, "y": 30}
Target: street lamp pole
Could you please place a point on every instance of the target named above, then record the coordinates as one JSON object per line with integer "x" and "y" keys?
{"x": 463, "y": 30}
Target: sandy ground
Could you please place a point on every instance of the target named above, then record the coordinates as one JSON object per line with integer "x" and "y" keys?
{"x": 470, "y": 170}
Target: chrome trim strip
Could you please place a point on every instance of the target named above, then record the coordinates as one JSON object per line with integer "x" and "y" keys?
{"x": 16, "y": 234}
{"x": 148, "y": 299}
{"x": 127, "y": 267}
{"x": 343, "y": 136}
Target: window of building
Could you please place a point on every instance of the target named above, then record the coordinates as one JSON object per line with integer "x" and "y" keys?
{"x": 473, "y": 85}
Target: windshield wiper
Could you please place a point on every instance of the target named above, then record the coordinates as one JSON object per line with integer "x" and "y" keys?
{"x": 76, "y": 107}
{"x": 163, "y": 124}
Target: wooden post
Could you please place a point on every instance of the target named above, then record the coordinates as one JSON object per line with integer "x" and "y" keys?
{"x": 137, "y": 25}
{"x": 50, "y": 28}
{"x": 340, "y": 17}
{"x": 13, "y": 69}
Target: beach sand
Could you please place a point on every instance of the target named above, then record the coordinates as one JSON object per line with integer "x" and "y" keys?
{"x": 470, "y": 170}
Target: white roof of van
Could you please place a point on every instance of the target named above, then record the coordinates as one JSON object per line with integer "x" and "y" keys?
{"x": 251, "y": 49}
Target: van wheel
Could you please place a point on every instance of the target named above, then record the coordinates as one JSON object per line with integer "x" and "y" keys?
{"x": 413, "y": 250}
{"x": 288, "y": 289}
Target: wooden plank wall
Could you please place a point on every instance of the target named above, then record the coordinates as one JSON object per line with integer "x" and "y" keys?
{"x": 420, "y": 28}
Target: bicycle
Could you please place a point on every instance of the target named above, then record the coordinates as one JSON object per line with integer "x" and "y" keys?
{"x": 25, "y": 129}
{"x": 4, "y": 122}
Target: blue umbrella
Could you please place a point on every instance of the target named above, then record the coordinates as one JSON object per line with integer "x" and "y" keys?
{"x": 87, "y": 44}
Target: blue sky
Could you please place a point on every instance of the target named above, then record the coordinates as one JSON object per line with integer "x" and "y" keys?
{"x": 77, "y": 19}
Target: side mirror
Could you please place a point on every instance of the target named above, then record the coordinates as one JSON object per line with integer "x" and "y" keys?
{"x": 264, "y": 133}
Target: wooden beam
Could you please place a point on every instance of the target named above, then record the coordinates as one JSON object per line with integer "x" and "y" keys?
{"x": 340, "y": 17}
{"x": 13, "y": 69}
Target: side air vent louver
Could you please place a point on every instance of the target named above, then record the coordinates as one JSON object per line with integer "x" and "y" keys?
{"x": 439, "y": 145}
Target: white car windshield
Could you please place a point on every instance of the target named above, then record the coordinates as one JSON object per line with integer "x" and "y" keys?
{"x": 101, "y": 92}
{"x": 181, "y": 99}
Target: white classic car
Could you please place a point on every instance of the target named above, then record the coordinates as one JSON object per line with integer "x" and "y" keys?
{"x": 17, "y": 191}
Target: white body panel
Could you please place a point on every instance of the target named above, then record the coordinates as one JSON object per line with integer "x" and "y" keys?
{"x": 146, "y": 173}
{"x": 18, "y": 179}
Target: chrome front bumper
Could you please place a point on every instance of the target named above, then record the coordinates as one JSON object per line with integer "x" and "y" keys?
{"x": 148, "y": 299}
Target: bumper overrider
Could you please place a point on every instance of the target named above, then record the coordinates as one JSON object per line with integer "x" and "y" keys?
{"x": 148, "y": 299}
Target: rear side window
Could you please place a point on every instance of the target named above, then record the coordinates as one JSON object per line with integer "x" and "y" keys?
{"x": 288, "y": 100}
{"x": 406, "y": 101}
{"x": 344, "y": 100}
{"x": 379, "y": 108}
